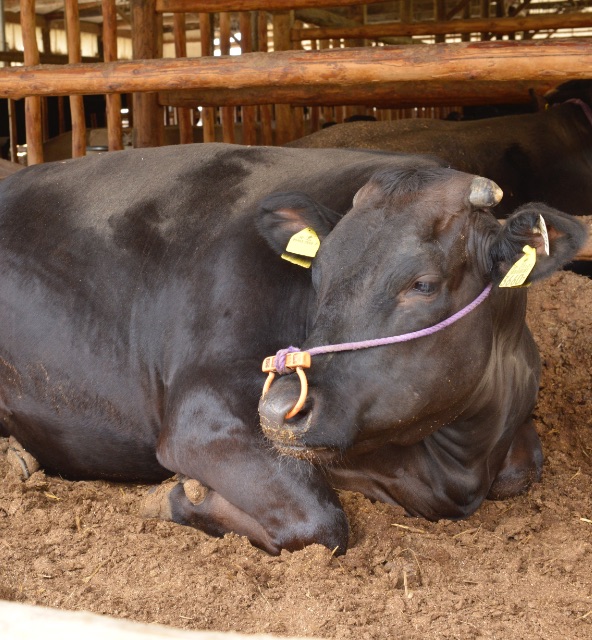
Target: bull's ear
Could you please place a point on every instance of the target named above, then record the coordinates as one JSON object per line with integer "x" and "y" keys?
{"x": 283, "y": 215}
{"x": 555, "y": 237}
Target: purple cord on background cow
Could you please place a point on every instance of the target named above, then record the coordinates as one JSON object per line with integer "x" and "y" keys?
{"x": 280, "y": 360}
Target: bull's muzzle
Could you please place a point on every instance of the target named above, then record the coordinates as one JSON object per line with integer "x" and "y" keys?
{"x": 285, "y": 414}
{"x": 295, "y": 361}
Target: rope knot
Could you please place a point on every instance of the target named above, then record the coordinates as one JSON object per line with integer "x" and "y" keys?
{"x": 280, "y": 360}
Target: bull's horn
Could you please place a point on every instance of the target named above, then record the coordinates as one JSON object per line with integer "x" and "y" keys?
{"x": 484, "y": 192}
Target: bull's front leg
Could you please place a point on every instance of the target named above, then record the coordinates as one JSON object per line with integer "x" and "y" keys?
{"x": 522, "y": 465}
{"x": 245, "y": 486}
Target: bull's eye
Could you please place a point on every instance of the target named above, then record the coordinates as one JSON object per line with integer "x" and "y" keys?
{"x": 425, "y": 287}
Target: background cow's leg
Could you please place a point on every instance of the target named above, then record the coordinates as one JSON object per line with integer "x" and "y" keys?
{"x": 522, "y": 465}
{"x": 279, "y": 502}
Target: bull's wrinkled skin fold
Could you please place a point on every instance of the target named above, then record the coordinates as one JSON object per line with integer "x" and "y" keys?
{"x": 140, "y": 291}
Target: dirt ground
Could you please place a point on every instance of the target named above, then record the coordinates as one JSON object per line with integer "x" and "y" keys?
{"x": 516, "y": 569}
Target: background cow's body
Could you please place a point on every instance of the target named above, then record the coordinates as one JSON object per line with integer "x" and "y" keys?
{"x": 544, "y": 156}
{"x": 137, "y": 299}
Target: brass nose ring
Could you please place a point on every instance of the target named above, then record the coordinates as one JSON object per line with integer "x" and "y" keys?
{"x": 298, "y": 360}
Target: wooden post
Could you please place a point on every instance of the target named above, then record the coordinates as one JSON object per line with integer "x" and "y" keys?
{"x": 357, "y": 14}
{"x": 282, "y": 21}
{"x": 208, "y": 114}
{"x": 247, "y": 112}
{"x": 297, "y": 113}
{"x": 226, "y": 111}
{"x": 147, "y": 113}
{"x": 466, "y": 37}
{"x": 440, "y": 17}
{"x": 183, "y": 115}
{"x": 315, "y": 111}
{"x": 74, "y": 56}
{"x": 114, "y": 127}
{"x": 485, "y": 14}
{"x": 326, "y": 111}
{"x": 32, "y": 104}
{"x": 265, "y": 110}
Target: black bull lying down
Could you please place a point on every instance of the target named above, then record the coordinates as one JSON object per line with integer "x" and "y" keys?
{"x": 140, "y": 292}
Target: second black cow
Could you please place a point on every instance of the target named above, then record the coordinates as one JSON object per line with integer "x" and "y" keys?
{"x": 544, "y": 156}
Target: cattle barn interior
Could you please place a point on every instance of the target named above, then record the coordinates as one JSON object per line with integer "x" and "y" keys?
{"x": 112, "y": 74}
{"x": 90, "y": 77}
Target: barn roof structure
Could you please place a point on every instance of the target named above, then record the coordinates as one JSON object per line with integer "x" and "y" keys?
{"x": 301, "y": 62}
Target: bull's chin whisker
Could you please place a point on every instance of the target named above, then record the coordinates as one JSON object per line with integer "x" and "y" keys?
{"x": 318, "y": 456}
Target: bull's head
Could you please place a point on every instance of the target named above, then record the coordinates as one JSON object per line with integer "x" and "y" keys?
{"x": 416, "y": 246}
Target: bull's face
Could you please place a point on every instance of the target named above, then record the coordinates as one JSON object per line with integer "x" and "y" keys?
{"x": 417, "y": 246}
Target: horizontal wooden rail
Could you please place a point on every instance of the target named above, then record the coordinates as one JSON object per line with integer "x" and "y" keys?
{"x": 44, "y": 58}
{"x": 215, "y": 6}
{"x": 431, "y": 27}
{"x": 339, "y": 70}
{"x": 393, "y": 95}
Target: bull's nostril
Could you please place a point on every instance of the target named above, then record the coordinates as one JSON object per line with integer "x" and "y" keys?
{"x": 302, "y": 414}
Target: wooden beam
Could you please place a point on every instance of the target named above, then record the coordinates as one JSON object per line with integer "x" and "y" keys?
{"x": 285, "y": 74}
{"x": 216, "y": 6}
{"x": 44, "y": 58}
{"x": 394, "y": 95}
{"x": 85, "y": 27}
{"x": 76, "y": 102}
{"x": 460, "y": 6}
{"x": 33, "y": 104}
{"x": 323, "y": 18}
{"x": 15, "y": 18}
{"x": 114, "y": 125}
{"x": 431, "y": 27}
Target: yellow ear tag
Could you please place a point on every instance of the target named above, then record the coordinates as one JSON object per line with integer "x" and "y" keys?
{"x": 520, "y": 269}
{"x": 301, "y": 262}
{"x": 304, "y": 243}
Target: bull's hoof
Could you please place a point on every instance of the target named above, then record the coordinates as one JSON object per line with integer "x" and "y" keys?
{"x": 157, "y": 504}
{"x": 21, "y": 460}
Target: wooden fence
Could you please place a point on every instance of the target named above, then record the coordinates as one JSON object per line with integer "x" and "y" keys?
{"x": 271, "y": 97}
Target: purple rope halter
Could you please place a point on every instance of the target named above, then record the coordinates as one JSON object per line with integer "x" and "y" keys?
{"x": 280, "y": 357}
